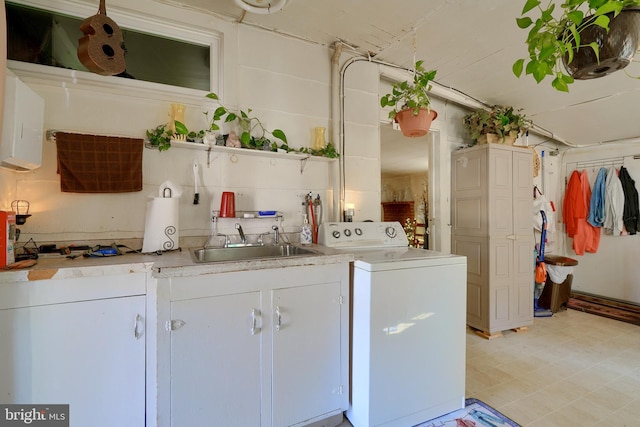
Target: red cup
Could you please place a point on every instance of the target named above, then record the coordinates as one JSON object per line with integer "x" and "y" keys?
{"x": 228, "y": 205}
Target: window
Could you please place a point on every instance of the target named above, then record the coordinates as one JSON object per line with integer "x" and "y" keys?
{"x": 50, "y": 38}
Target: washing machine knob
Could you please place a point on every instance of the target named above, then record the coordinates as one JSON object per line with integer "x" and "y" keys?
{"x": 358, "y": 231}
{"x": 347, "y": 232}
{"x": 336, "y": 234}
{"x": 391, "y": 232}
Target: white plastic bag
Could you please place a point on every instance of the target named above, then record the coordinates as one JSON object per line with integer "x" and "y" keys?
{"x": 541, "y": 203}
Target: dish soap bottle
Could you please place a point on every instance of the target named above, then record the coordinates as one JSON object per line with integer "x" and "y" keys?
{"x": 305, "y": 232}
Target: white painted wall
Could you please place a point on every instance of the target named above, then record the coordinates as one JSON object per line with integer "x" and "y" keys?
{"x": 284, "y": 81}
{"x": 361, "y": 156}
{"x": 612, "y": 271}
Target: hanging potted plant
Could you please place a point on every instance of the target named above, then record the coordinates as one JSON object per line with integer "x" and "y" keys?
{"x": 498, "y": 124}
{"x": 587, "y": 39}
{"x": 411, "y": 103}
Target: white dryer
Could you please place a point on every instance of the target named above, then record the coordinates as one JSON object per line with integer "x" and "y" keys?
{"x": 408, "y": 325}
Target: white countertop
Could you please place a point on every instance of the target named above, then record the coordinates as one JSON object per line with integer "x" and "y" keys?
{"x": 169, "y": 264}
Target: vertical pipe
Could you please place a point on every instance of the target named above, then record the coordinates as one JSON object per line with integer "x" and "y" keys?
{"x": 335, "y": 130}
{"x": 544, "y": 189}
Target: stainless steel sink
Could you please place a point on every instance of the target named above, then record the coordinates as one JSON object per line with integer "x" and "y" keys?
{"x": 248, "y": 253}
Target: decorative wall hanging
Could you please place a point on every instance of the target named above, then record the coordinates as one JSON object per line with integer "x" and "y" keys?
{"x": 101, "y": 49}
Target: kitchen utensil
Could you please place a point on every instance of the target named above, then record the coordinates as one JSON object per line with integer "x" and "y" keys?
{"x": 196, "y": 179}
{"x": 228, "y": 205}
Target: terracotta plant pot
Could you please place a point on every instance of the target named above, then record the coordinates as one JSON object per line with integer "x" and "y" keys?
{"x": 415, "y": 125}
{"x": 617, "y": 47}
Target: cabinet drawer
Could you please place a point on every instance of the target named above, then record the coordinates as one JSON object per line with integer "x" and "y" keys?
{"x": 43, "y": 292}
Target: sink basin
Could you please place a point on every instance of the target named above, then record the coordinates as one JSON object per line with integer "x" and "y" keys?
{"x": 247, "y": 253}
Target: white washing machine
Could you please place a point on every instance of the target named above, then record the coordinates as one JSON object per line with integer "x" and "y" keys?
{"x": 408, "y": 328}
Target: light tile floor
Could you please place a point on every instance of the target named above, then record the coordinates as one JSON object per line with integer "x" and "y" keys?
{"x": 572, "y": 369}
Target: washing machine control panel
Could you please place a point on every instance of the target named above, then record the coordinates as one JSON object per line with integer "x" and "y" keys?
{"x": 362, "y": 235}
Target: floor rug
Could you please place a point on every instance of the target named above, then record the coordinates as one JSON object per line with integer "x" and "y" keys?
{"x": 606, "y": 307}
{"x": 474, "y": 414}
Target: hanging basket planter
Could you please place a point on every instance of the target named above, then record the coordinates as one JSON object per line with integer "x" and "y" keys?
{"x": 617, "y": 47}
{"x": 415, "y": 125}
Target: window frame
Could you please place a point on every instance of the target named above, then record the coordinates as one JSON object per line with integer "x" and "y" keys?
{"x": 137, "y": 21}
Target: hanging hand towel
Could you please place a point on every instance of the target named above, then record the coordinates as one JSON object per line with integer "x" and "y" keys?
{"x": 99, "y": 164}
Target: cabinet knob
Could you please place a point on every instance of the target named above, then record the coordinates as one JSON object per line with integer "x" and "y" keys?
{"x": 138, "y": 327}
{"x": 278, "y": 318}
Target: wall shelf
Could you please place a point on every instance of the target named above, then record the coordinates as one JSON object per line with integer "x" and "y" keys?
{"x": 249, "y": 215}
{"x": 250, "y": 152}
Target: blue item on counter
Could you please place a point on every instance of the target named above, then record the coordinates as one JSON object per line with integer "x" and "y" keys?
{"x": 266, "y": 213}
{"x": 102, "y": 251}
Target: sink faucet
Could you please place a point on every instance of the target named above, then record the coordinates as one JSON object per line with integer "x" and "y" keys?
{"x": 212, "y": 235}
{"x": 243, "y": 238}
{"x": 275, "y": 234}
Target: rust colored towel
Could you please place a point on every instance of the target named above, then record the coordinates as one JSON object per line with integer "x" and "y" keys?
{"x": 99, "y": 164}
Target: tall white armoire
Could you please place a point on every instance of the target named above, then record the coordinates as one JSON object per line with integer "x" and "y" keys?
{"x": 492, "y": 196}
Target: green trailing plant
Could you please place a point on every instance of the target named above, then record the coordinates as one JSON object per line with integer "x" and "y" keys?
{"x": 552, "y": 38}
{"x": 329, "y": 151}
{"x": 498, "y": 119}
{"x": 412, "y": 93}
{"x": 195, "y": 136}
{"x": 161, "y": 135}
{"x": 248, "y": 124}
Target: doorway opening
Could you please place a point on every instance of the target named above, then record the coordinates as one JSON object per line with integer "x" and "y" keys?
{"x": 406, "y": 174}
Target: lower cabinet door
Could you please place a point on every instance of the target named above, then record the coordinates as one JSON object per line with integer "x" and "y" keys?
{"x": 215, "y": 361}
{"x": 306, "y": 375}
{"x": 89, "y": 354}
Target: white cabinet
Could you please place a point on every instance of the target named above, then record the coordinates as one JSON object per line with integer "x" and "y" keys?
{"x": 89, "y": 354}
{"x": 307, "y": 353}
{"x": 22, "y": 127}
{"x": 492, "y": 193}
{"x": 258, "y": 348}
{"x": 215, "y": 361}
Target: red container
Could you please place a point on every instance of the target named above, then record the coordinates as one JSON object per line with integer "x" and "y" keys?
{"x": 7, "y": 237}
{"x": 228, "y": 205}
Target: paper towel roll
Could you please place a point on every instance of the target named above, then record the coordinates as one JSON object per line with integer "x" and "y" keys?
{"x": 161, "y": 227}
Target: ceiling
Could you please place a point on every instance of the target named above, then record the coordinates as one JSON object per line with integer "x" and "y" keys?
{"x": 471, "y": 43}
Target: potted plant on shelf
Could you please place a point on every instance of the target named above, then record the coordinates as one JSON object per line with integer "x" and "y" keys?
{"x": 498, "y": 124}
{"x": 411, "y": 103}
{"x": 160, "y": 137}
{"x": 587, "y": 39}
{"x": 247, "y": 125}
